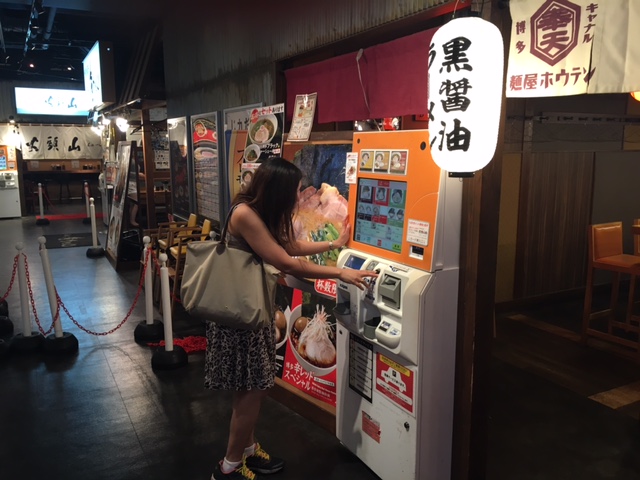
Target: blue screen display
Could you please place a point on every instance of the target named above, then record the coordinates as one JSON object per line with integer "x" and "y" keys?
{"x": 354, "y": 262}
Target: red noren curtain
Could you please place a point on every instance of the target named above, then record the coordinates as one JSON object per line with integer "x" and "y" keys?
{"x": 394, "y": 76}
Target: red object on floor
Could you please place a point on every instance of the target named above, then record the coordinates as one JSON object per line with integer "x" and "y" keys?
{"x": 190, "y": 344}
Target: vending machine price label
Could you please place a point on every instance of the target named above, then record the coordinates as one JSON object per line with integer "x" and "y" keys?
{"x": 418, "y": 232}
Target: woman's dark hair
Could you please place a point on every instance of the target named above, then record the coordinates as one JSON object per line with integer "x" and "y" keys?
{"x": 273, "y": 194}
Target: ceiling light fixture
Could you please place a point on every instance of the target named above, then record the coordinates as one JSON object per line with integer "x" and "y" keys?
{"x": 636, "y": 96}
{"x": 122, "y": 124}
{"x": 31, "y": 65}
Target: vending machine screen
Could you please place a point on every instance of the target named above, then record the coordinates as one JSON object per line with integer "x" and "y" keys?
{"x": 380, "y": 212}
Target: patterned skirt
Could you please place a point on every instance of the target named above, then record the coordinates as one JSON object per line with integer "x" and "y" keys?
{"x": 239, "y": 359}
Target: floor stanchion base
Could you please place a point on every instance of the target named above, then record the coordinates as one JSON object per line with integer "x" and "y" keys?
{"x": 6, "y": 326}
{"x": 4, "y": 308}
{"x": 4, "y": 349}
{"x": 95, "y": 252}
{"x": 66, "y": 344}
{"x": 42, "y": 221}
{"x": 164, "y": 360}
{"x": 149, "y": 332}
{"x": 27, "y": 344}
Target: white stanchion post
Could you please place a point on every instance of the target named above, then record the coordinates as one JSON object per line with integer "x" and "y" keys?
{"x": 149, "y": 330}
{"x": 59, "y": 342}
{"x": 40, "y": 200}
{"x": 148, "y": 280}
{"x": 51, "y": 288}
{"x": 28, "y": 341}
{"x": 86, "y": 197}
{"x": 85, "y": 188}
{"x": 24, "y": 292}
{"x": 41, "y": 220}
{"x": 166, "y": 303}
{"x": 94, "y": 251}
{"x": 170, "y": 357}
{"x": 94, "y": 231}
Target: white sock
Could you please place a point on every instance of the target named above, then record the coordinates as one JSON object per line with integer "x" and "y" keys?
{"x": 228, "y": 467}
{"x": 250, "y": 450}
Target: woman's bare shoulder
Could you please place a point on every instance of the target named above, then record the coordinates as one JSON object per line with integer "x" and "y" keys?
{"x": 243, "y": 216}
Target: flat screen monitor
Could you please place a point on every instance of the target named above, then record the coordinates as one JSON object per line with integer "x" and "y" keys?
{"x": 380, "y": 210}
{"x": 3, "y": 161}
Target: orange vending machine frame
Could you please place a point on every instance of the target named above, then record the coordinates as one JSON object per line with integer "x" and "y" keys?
{"x": 400, "y": 158}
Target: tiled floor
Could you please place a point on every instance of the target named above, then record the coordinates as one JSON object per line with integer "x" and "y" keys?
{"x": 105, "y": 414}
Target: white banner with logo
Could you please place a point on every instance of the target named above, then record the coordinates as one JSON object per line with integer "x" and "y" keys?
{"x": 550, "y": 51}
{"x": 616, "y": 48}
{"x": 52, "y": 142}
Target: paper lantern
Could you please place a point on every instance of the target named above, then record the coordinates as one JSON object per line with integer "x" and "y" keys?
{"x": 466, "y": 67}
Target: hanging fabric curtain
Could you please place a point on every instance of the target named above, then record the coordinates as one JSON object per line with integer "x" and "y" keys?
{"x": 393, "y": 75}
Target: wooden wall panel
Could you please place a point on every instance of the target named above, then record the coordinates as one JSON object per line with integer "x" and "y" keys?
{"x": 555, "y": 210}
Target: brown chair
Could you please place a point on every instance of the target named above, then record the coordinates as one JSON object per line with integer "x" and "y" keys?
{"x": 202, "y": 235}
{"x": 168, "y": 231}
{"x": 606, "y": 253}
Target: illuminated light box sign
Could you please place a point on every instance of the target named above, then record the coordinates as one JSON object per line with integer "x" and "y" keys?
{"x": 466, "y": 64}
{"x": 98, "y": 71}
{"x": 99, "y": 89}
{"x": 51, "y": 101}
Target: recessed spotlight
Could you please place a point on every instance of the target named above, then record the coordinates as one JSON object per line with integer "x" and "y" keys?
{"x": 69, "y": 68}
{"x": 31, "y": 65}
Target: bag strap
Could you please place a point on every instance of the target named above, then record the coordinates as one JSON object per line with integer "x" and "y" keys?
{"x": 223, "y": 234}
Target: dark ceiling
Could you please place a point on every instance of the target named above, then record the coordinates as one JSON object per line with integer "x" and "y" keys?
{"x": 46, "y": 40}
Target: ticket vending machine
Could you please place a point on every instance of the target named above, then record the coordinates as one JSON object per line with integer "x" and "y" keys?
{"x": 396, "y": 340}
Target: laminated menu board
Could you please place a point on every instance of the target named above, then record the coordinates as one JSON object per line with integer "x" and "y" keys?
{"x": 206, "y": 164}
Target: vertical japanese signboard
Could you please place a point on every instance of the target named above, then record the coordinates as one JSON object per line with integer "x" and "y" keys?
{"x": 550, "y": 51}
{"x": 465, "y": 93}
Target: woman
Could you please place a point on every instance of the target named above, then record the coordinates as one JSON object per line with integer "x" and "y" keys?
{"x": 244, "y": 360}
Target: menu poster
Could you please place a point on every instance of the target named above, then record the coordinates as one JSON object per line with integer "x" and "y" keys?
{"x": 302, "y": 120}
{"x": 322, "y": 205}
{"x": 264, "y": 135}
{"x": 306, "y": 342}
{"x": 238, "y": 118}
{"x": 236, "y": 164}
{"x": 206, "y": 165}
{"x": 123, "y": 160}
{"x": 178, "y": 153}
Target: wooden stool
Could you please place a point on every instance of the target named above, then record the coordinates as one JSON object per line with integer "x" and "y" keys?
{"x": 605, "y": 253}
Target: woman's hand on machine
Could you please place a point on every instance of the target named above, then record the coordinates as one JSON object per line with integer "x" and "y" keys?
{"x": 344, "y": 235}
{"x": 357, "y": 277}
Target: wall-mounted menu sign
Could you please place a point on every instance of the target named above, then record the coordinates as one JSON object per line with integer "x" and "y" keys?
{"x": 206, "y": 165}
{"x": 264, "y": 134}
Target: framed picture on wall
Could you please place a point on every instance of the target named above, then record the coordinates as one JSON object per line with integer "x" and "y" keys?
{"x": 206, "y": 165}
